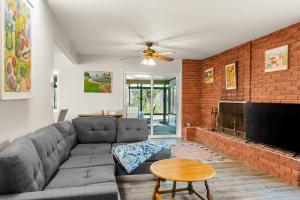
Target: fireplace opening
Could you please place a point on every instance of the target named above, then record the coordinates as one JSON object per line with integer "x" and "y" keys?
{"x": 232, "y": 118}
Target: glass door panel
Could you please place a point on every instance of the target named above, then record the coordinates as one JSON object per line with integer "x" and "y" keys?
{"x": 138, "y": 96}
{"x": 164, "y": 117}
{"x": 154, "y": 98}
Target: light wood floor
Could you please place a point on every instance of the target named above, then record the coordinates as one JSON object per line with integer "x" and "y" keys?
{"x": 234, "y": 181}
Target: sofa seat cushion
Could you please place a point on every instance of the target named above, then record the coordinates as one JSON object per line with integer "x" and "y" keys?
{"x": 82, "y": 177}
{"x": 165, "y": 154}
{"x": 95, "y": 129}
{"x": 88, "y": 161}
{"x": 91, "y": 149}
{"x": 51, "y": 148}
{"x": 99, "y": 191}
{"x": 21, "y": 169}
{"x": 132, "y": 130}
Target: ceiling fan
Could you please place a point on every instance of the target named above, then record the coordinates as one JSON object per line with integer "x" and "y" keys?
{"x": 150, "y": 54}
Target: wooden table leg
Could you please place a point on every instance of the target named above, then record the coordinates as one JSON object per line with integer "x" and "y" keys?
{"x": 173, "y": 190}
{"x": 156, "y": 188}
{"x": 208, "y": 194}
{"x": 190, "y": 187}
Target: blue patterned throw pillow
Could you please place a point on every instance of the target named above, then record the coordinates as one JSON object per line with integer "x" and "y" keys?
{"x": 132, "y": 155}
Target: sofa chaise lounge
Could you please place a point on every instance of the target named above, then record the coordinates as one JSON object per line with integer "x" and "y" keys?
{"x": 71, "y": 160}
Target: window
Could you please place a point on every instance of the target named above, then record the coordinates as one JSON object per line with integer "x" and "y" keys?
{"x": 55, "y": 92}
{"x": 134, "y": 100}
{"x": 173, "y": 99}
{"x": 158, "y": 101}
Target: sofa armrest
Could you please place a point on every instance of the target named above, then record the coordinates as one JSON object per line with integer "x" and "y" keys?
{"x": 107, "y": 192}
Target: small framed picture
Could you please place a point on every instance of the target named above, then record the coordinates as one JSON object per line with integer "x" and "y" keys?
{"x": 231, "y": 76}
{"x": 209, "y": 76}
{"x": 276, "y": 59}
{"x": 97, "y": 82}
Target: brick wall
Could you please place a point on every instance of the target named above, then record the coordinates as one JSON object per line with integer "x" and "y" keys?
{"x": 191, "y": 92}
{"x": 254, "y": 84}
{"x": 281, "y": 86}
{"x": 276, "y": 163}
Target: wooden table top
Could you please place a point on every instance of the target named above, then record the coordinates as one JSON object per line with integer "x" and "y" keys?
{"x": 182, "y": 170}
{"x": 100, "y": 115}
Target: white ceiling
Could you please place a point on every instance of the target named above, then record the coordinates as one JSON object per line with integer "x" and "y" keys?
{"x": 195, "y": 29}
{"x": 56, "y": 49}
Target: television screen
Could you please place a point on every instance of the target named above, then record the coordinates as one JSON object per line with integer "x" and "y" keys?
{"x": 274, "y": 124}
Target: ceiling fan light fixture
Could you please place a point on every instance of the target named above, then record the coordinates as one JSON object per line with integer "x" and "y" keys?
{"x": 151, "y": 62}
{"x": 144, "y": 61}
{"x": 148, "y": 61}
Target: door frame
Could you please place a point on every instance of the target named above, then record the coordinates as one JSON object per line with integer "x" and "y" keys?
{"x": 178, "y": 94}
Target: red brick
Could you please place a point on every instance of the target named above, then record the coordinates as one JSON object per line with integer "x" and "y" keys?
{"x": 282, "y": 165}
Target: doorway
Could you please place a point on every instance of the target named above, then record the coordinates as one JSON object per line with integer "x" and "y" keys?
{"x": 153, "y": 97}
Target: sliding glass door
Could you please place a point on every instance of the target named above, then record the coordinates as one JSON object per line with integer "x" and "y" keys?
{"x": 153, "y": 97}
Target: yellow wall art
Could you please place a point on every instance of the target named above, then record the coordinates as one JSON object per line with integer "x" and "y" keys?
{"x": 231, "y": 76}
{"x": 16, "y": 80}
{"x": 209, "y": 76}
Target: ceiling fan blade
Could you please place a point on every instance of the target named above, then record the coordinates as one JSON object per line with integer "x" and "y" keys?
{"x": 167, "y": 52}
{"x": 140, "y": 52}
{"x": 161, "y": 57}
{"x": 130, "y": 57}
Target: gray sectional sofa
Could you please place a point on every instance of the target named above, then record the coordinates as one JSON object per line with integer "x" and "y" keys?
{"x": 70, "y": 160}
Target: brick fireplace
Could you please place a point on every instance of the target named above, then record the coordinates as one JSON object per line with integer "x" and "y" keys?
{"x": 232, "y": 118}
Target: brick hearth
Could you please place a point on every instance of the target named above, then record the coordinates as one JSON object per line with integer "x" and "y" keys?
{"x": 273, "y": 161}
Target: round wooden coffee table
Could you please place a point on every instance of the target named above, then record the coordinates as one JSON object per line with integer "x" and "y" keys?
{"x": 181, "y": 170}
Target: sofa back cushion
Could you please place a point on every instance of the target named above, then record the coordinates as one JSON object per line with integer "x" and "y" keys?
{"x": 51, "y": 148}
{"x": 21, "y": 169}
{"x": 95, "y": 129}
{"x": 132, "y": 130}
{"x": 68, "y": 131}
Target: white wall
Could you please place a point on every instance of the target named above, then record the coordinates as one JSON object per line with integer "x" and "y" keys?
{"x": 23, "y": 116}
{"x": 71, "y": 81}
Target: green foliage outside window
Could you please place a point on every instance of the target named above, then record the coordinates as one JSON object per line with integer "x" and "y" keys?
{"x": 146, "y": 99}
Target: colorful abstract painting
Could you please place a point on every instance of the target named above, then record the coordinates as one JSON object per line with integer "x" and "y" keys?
{"x": 276, "y": 59}
{"x": 231, "y": 76}
{"x": 16, "y": 71}
{"x": 209, "y": 75}
{"x": 97, "y": 82}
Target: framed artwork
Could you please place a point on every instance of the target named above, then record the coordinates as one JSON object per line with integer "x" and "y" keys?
{"x": 97, "y": 82}
{"x": 276, "y": 59}
{"x": 16, "y": 71}
{"x": 231, "y": 76}
{"x": 209, "y": 76}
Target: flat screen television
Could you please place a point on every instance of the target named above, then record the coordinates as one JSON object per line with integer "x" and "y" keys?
{"x": 274, "y": 124}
